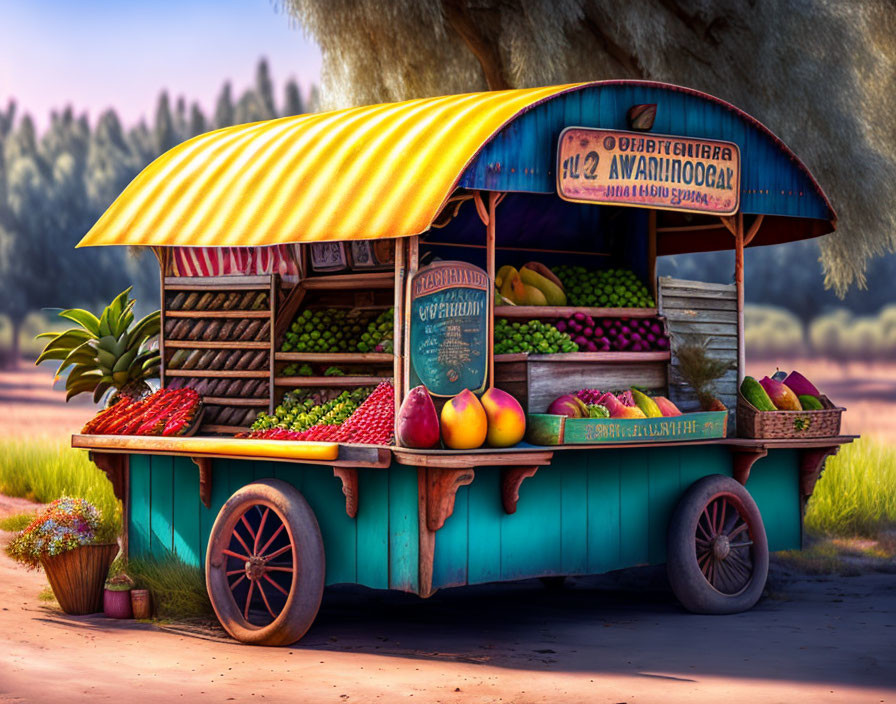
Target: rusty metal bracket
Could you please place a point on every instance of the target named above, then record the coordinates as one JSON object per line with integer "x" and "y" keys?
{"x": 811, "y": 466}
{"x": 349, "y": 477}
{"x": 511, "y": 479}
{"x": 743, "y": 460}
{"x": 441, "y": 489}
{"x": 114, "y": 465}
{"x": 205, "y": 479}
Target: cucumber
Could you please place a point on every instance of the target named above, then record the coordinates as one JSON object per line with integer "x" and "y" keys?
{"x": 810, "y": 403}
{"x": 754, "y": 393}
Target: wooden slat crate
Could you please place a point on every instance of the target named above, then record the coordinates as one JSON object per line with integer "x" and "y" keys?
{"x": 695, "y": 307}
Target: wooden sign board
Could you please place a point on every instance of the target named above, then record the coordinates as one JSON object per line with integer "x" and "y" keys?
{"x": 449, "y": 333}
{"x": 613, "y": 167}
{"x": 547, "y": 429}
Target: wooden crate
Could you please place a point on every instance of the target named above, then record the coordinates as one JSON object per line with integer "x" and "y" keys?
{"x": 536, "y": 380}
{"x": 709, "y": 310}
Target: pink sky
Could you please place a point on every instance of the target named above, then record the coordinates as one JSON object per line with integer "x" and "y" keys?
{"x": 95, "y": 54}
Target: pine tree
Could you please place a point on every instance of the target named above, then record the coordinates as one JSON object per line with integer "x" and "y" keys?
{"x": 264, "y": 89}
{"x": 224, "y": 112}
{"x": 164, "y": 134}
{"x": 292, "y": 104}
{"x": 198, "y": 123}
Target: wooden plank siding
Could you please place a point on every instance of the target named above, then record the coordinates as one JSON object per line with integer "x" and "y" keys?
{"x": 594, "y": 511}
{"x": 378, "y": 549}
{"x": 710, "y": 310}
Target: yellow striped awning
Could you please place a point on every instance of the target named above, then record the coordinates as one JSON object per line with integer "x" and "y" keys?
{"x": 362, "y": 173}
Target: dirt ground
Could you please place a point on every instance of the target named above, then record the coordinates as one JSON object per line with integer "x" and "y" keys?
{"x": 616, "y": 638}
{"x": 613, "y": 639}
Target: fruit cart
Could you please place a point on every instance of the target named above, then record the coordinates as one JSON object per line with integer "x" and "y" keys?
{"x": 341, "y": 289}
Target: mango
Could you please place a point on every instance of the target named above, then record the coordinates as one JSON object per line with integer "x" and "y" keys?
{"x": 506, "y": 418}
{"x": 464, "y": 423}
{"x": 418, "y": 422}
{"x": 540, "y": 268}
{"x": 521, "y": 293}
{"x": 667, "y": 408}
{"x": 502, "y": 275}
{"x": 647, "y": 405}
{"x": 630, "y": 412}
{"x": 553, "y": 294}
{"x": 781, "y": 395}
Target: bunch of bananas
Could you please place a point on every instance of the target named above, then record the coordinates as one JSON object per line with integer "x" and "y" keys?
{"x": 106, "y": 352}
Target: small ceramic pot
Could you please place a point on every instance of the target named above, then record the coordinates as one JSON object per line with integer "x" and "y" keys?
{"x": 141, "y": 603}
{"x": 117, "y": 604}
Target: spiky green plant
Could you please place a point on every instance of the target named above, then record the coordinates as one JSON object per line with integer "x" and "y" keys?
{"x": 106, "y": 352}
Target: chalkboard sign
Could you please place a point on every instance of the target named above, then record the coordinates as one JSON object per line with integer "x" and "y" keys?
{"x": 449, "y": 333}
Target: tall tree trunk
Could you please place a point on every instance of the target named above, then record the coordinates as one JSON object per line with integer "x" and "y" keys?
{"x": 15, "y": 350}
{"x": 485, "y": 51}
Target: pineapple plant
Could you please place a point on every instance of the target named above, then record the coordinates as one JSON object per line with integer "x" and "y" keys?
{"x": 106, "y": 352}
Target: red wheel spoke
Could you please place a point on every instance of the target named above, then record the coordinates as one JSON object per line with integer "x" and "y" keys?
{"x": 235, "y": 554}
{"x": 708, "y": 520}
{"x": 715, "y": 510}
{"x": 277, "y": 552}
{"x": 701, "y": 541}
{"x": 286, "y": 593}
{"x": 233, "y": 572}
{"x": 249, "y": 599}
{"x": 242, "y": 542}
{"x": 745, "y": 544}
{"x": 264, "y": 518}
{"x": 271, "y": 539}
{"x": 710, "y": 572}
{"x": 722, "y": 517}
{"x": 248, "y": 527}
{"x": 233, "y": 586}
{"x": 737, "y": 531}
{"x": 277, "y": 569}
{"x": 702, "y": 529}
{"x": 264, "y": 598}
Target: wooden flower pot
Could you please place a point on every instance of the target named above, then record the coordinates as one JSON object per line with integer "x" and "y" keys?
{"x": 117, "y": 603}
{"x": 141, "y": 603}
{"x": 77, "y": 577}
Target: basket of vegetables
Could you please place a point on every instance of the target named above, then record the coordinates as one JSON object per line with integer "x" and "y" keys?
{"x": 785, "y": 406}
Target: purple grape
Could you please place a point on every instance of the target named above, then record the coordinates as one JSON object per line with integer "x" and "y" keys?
{"x": 561, "y": 326}
{"x": 581, "y": 341}
{"x": 591, "y": 347}
{"x": 612, "y": 332}
{"x": 662, "y": 344}
{"x": 656, "y": 329}
{"x": 651, "y": 337}
{"x": 589, "y": 321}
{"x": 588, "y": 332}
{"x": 625, "y": 330}
{"x": 579, "y": 316}
{"x": 637, "y": 347}
{"x": 636, "y": 337}
{"x": 598, "y": 332}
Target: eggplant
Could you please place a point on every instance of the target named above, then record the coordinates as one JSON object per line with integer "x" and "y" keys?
{"x": 233, "y": 356}
{"x": 240, "y": 328}
{"x": 220, "y": 359}
{"x": 232, "y": 300}
{"x": 170, "y": 324}
{"x": 258, "y": 361}
{"x": 211, "y": 414}
{"x": 181, "y": 330}
{"x": 227, "y": 329}
{"x": 178, "y": 300}
{"x": 251, "y": 330}
{"x": 263, "y": 331}
{"x": 196, "y": 330}
{"x": 205, "y": 300}
{"x": 211, "y": 330}
{"x": 242, "y": 364}
{"x": 177, "y": 359}
{"x": 206, "y": 359}
{"x": 190, "y": 301}
{"x": 224, "y": 416}
{"x": 193, "y": 359}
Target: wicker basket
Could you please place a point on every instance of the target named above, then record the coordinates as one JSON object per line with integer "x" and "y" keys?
{"x": 753, "y": 423}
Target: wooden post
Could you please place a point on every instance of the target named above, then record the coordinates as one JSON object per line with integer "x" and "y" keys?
{"x": 413, "y": 263}
{"x": 490, "y": 269}
{"x": 398, "y": 326}
{"x": 651, "y": 252}
{"x": 739, "y": 282}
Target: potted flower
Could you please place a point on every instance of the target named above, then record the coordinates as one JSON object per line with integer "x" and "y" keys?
{"x": 117, "y": 597}
{"x": 67, "y": 541}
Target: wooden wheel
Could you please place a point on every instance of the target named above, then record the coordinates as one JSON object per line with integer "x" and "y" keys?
{"x": 265, "y": 564}
{"x": 717, "y": 549}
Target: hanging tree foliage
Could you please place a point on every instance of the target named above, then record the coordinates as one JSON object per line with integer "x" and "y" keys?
{"x": 820, "y": 73}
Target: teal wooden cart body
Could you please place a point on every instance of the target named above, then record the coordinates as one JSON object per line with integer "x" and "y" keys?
{"x": 590, "y": 511}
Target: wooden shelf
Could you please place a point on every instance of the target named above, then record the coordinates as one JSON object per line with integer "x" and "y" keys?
{"x": 235, "y": 401}
{"x": 372, "y": 279}
{"x": 216, "y": 344}
{"x": 217, "y": 314}
{"x": 224, "y": 428}
{"x": 662, "y": 356}
{"x": 566, "y": 311}
{"x": 299, "y": 381}
{"x": 336, "y": 357}
{"x": 223, "y": 283}
{"x": 220, "y": 373}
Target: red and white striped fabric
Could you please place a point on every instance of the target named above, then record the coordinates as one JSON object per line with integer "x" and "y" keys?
{"x": 232, "y": 261}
